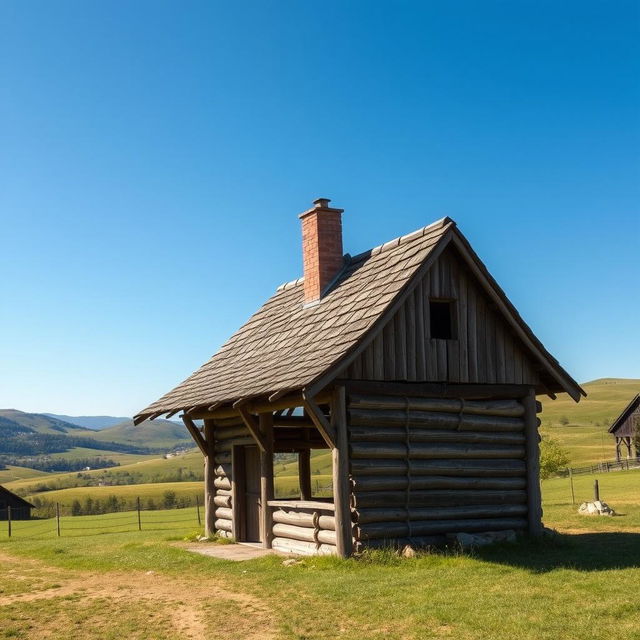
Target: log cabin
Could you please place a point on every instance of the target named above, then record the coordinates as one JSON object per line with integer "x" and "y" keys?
{"x": 626, "y": 429}
{"x": 13, "y": 506}
{"x": 409, "y": 365}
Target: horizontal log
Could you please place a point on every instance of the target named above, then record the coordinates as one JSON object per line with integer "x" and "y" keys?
{"x": 437, "y": 389}
{"x": 224, "y": 513}
{"x": 222, "y": 524}
{"x": 303, "y": 533}
{"x": 387, "y": 483}
{"x": 475, "y": 468}
{"x": 505, "y": 408}
{"x": 314, "y": 505}
{"x": 399, "y": 529}
{"x": 222, "y": 457}
{"x": 224, "y": 534}
{"x": 223, "y": 492}
{"x": 229, "y": 433}
{"x": 399, "y": 543}
{"x": 301, "y": 548}
{"x": 399, "y": 514}
{"x": 392, "y": 434}
{"x": 222, "y": 470}
{"x": 224, "y": 446}
{"x": 222, "y": 483}
{"x": 302, "y": 519}
{"x": 421, "y": 450}
{"x": 437, "y": 498}
{"x": 222, "y": 501}
{"x": 225, "y": 423}
{"x": 460, "y": 422}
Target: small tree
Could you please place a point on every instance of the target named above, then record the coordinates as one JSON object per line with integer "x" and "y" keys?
{"x": 169, "y": 499}
{"x": 553, "y": 457}
{"x": 76, "y": 508}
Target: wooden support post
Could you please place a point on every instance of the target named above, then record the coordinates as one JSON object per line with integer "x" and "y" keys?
{"x": 573, "y": 495}
{"x": 9, "y": 520}
{"x": 195, "y": 433}
{"x": 304, "y": 473}
{"x": 252, "y": 426}
{"x": 341, "y": 491}
{"x": 198, "y": 510}
{"x": 209, "y": 478}
{"x": 532, "y": 447}
{"x": 266, "y": 478}
{"x": 596, "y": 491}
{"x": 326, "y": 430}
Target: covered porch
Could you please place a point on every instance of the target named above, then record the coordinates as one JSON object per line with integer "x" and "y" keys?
{"x": 243, "y": 499}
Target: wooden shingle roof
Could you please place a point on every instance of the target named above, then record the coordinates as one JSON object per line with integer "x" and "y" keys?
{"x": 287, "y": 346}
{"x": 626, "y": 412}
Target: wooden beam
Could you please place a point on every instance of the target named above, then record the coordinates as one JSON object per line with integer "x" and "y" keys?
{"x": 256, "y": 406}
{"x": 341, "y": 490}
{"x": 532, "y": 457}
{"x": 266, "y": 479}
{"x": 287, "y": 422}
{"x": 252, "y": 425}
{"x": 209, "y": 480}
{"x": 304, "y": 473}
{"x": 195, "y": 434}
{"x": 326, "y": 430}
{"x": 278, "y": 394}
{"x": 438, "y": 390}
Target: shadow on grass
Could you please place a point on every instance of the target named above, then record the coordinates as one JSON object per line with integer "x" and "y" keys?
{"x": 581, "y": 552}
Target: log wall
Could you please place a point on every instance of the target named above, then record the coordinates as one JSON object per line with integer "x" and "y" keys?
{"x": 304, "y": 530}
{"x": 484, "y": 350}
{"x": 422, "y": 468}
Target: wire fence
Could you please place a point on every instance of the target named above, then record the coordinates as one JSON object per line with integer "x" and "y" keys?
{"x": 602, "y": 467}
{"x": 17, "y": 523}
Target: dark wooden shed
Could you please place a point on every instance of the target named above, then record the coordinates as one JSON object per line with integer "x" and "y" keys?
{"x": 409, "y": 364}
{"x": 626, "y": 429}
{"x": 11, "y": 504}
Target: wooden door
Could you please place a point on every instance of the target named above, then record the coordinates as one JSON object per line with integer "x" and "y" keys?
{"x": 252, "y": 495}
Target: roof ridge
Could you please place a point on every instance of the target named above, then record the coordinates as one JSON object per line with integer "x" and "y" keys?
{"x": 391, "y": 244}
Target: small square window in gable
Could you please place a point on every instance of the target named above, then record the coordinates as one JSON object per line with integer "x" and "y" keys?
{"x": 442, "y": 315}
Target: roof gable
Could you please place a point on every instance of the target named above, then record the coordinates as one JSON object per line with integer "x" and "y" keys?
{"x": 287, "y": 346}
{"x": 633, "y": 406}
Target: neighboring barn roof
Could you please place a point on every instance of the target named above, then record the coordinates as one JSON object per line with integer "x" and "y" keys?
{"x": 629, "y": 409}
{"x": 286, "y": 345}
{"x": 14, "y": 498}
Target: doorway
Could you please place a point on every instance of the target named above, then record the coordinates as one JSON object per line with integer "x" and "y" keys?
{"x": 247, "y": 495}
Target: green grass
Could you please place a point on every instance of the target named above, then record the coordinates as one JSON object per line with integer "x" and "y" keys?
{"x": 11, "y": 473}
{"x": 579, "y": 586}
{"x": 79, "y": 453}
{"x": 129, "y": 492}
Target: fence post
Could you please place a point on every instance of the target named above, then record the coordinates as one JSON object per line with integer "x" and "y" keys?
{"x": 573, "y": 495}
{"x": 58, "y": 518}
{"x": 198, "y": 510}
{"x": 139, "y": 520}
{"x": 9, "y": 519}
{"x": 596, "y": 490}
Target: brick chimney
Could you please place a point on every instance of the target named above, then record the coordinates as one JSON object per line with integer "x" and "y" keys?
{"x": 321, "y": 247}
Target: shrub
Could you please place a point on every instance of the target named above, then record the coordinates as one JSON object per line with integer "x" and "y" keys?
{"x": 553, "y": 458}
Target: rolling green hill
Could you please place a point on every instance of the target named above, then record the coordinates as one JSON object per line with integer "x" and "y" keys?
{"x": 582, "y": 428}
{"x": 159, "y": 434}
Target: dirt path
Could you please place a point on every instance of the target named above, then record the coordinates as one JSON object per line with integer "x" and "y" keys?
{"x": 184, "y": 599}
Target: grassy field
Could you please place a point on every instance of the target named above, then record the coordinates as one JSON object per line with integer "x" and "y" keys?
{"x": 11, "y": 473}
{"x": 585, "y": 434}
{"x": 141, "y": 585}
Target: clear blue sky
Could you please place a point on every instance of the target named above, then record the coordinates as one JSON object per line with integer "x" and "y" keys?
{"x": 154, "y": 157}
